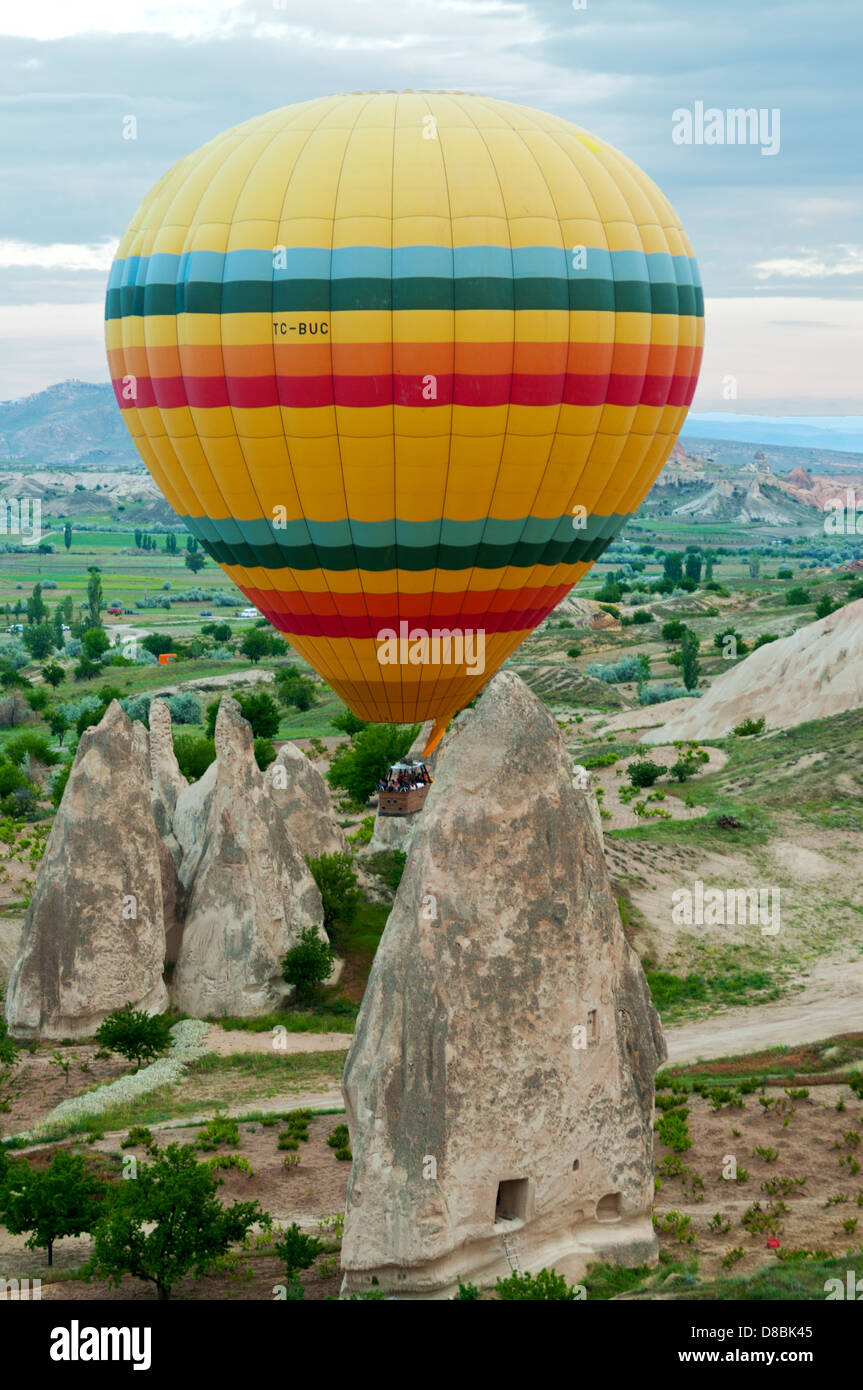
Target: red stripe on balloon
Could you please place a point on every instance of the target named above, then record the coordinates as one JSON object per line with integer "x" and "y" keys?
{"x": 308, "y": 392}
{"x": 340, "y": 615}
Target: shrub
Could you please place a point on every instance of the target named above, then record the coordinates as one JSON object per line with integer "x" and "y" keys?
{"x": 825, "y": 606}
{"x": 547, "y": 1286}
{"x": 763, "y": 639}
{"x": 11, "y": 779}
{"x": 136, "y": 1035}
{"x": 265, "y": 753}
{"x": 137, "y": 707}
{"x": 673, "y": 1131}
{"x": 185, "y": 709}
{"x": 308, "y": 964}
{"x": 157, "y": 643}
{"x": 572, "y": 653}
{"x": 298, "y": 1251}
{"x": 644, "y": 773}
{"x": 30, "y": 744}
{"x": 628, "y": 668}
{"x": 138, "y": 1135}
{"x": 748, "y": 727}
{"x": 339, "y": 1138}
{"x": 643, "y": 615}
{"x": 659, "y": 694}
{"x": 797, "y": 596}
{"x": 220, "y": 1130}
{"x": 194, "y": 753}
{"x": 296, "y": 690}
{"x": 600, "y": 760}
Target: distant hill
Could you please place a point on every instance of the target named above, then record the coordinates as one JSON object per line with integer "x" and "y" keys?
{"x": 75, "y": 423}
{"x": 836, "y": 432}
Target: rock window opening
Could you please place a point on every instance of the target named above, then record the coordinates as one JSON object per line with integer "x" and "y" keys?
{"x": 511, "y": 1202}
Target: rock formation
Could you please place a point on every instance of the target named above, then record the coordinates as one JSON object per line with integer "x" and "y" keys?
{"x": 300, "y": 793}
{"x": 499, "y": 1089}
{"x": 94, "y": 937}
{"x": 814, "y": 673}
{"x": 249, "y": 891}
{"x": 167, "y": 783}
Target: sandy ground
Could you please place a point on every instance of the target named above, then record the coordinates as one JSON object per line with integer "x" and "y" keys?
{"x": 224, "y": 1042}
{"x": 809, "y": 1147}
{"x": 831, "y": 1003}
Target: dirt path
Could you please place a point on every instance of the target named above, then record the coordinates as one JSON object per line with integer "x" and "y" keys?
{"x": 831, "y": 1003}
{"x": 225, "y": 1042}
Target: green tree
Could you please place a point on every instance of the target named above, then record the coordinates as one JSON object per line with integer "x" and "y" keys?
{"x": 39, "y": 640}
{"x": 644, "y": 773}
{"x": 359, "y": 769}
{"x": 59, "y": 726}
{"x": 191, "y": 544}
{"x": 825, "y": 606}
{"x": 68, "y": 609}
{"x": 50, "y": 1203}
{"x": 255, "y": 644}
{"x": 349, "y": 723}
{"x": 295, "y": 690}
{"x": 54, "y": 675}
{"x": 194, "y": 753}
{"x": 168, "y": 1222}
{"x": 95, "y": 643}
{"x": 689, "y": 663}
{"x": 308, "y": 964}
{"x": 754, "y": 564}
{"x": 693, "y": 566}
{"x": 194, "y": 561}
{"x": 94, "y": 597}
{"x": 673, "y": 630}
{"x": 672, "y": 565}
{"x": 136, "y": 1035}
{"x": 36, "y": 608}
{"x": 86, "y": 670}
{"x": 796, "y": 597}
{"x": 67, "y": 536}
{"x": 336, "y": 878}
{"x": 157, "y": 643}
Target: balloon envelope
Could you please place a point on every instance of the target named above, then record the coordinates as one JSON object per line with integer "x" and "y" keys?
{"x": 405, "y": 364}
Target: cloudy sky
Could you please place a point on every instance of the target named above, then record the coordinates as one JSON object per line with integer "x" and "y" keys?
{"x": 777, "y": 235}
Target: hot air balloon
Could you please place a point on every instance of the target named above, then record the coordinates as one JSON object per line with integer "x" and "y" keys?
{"x": 404, "y": 363}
